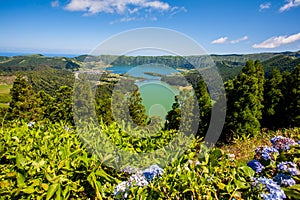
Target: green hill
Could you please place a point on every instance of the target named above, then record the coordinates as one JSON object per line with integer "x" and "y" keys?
{"x": 32, "y": 62}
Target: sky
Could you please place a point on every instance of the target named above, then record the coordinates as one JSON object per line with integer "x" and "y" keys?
{"x": 219, "y": 26}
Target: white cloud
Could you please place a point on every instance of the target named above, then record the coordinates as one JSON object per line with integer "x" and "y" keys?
{"x": 55, "y": 3}
{"x": 220, "y": 40}
{"x": 277, "y": 41}
{"x": 116, "y": 6}
{"x": 264, "y": 6}
{"x": 290, "y": 4}
{"x": 239, "y": 40}
{"x": 176, "y": 10}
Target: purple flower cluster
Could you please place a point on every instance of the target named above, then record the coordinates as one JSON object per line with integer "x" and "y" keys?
{"x": 265, "y": 152}
{"x": 284, "y": 180}
{"x": 288, "y": 167}
{"x": 139, "y": 178}
{"x": 282, "y": 143}
{"x": 256, "y": 166}
{"x": 274, "y": 191}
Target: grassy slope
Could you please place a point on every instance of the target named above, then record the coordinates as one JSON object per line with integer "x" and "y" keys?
{"x": 244, "y": 150}
{"x": 4, "y": 95}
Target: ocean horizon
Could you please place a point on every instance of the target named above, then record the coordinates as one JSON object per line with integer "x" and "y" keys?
{"x": 10, "y": 54}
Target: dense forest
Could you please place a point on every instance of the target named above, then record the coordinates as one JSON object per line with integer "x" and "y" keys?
{"x": 51, "y": 149}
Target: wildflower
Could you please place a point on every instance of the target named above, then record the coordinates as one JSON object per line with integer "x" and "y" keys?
{"x": 282, "y": 143}
{"x": 284, "y": 180}
{"x": 231, "y": 157}
{"x": 288, "y": 167}
{"x": 255, "y": 165}
{"x": 30, "y": 124}
{"x": 265, "y": 152}
{"x": 273, "y": 189}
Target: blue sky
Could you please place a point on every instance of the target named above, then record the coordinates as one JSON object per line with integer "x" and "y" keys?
{"x": 220, "y": 26}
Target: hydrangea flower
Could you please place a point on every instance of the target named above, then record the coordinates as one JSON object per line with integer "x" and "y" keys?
{"x": 153, "y": 171}
{"x": 255, "y": 165}
{"x": 139, "y": 178}
{"x": 282, "y": 143}
{"x": 265, "y": 152}
{"x": 121, "y": 190}
{"x": 284, "y": 180}
{"x": 274, "y": 191}
{"x": 288, "y": 167}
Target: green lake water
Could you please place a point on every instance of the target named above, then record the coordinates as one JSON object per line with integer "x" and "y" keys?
{"x": 158, "y": 97}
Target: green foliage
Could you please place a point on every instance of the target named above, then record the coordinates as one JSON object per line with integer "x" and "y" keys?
{"x": 23, "y": 103}
{"x": 293, "y": 107}
{"x": 204, "y": 106}
{"x": 272, "y": 100}
{"x": 136, "y": 109}
{"x": 200, "y": 174}
{"x": 47, "y": 162}
{"x": 173, "y": 116}
{"x": 282, "y": 100}
{"x": 50, "y": 80}
{"x": 280, "y": 62}
{"x": 245, "y": 96}
{"x": 35, "y": 62}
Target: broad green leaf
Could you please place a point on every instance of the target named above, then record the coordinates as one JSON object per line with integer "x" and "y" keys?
{"x": 20, "y": 161}
{"x": 51, "y": 191}
{"x": 29, "y": 190}
{"x": 20, "y": 180}
{"x": 248, "y": 171}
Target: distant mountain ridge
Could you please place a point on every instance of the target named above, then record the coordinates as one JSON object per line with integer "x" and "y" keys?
{"x": 228, "y": 65}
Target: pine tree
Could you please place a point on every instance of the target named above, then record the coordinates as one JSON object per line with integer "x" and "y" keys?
{"x": 45, "y": 104}
{"x": 173, "y": 116}
{"x": 245, "y": 96}
{"x": 204, "y": 106}
{"x": 136, "y": 109}
{"x": 62, "y": 109}
{"x": 293, "y": 106}
{"x": 273, "y": 98}
{"x": 23, "y": 103}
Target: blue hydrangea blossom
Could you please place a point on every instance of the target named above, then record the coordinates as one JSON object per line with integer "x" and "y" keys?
{"x": 138, "y": 178}
{"x": 273, "y": 190}
{"x": 265, "y": 152}
{"x": 282, "y": 143}
{"x": 288, "y": 167}
{"x": 256, "y": 166}
{"x": 284, "y": 180}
